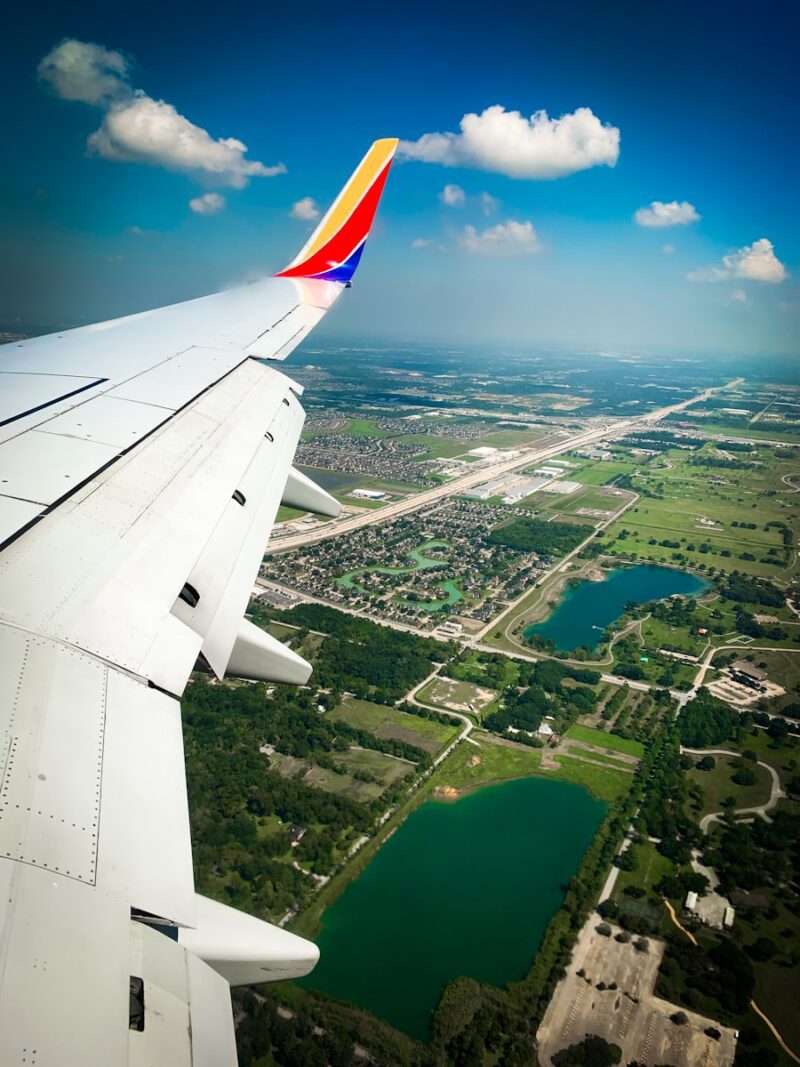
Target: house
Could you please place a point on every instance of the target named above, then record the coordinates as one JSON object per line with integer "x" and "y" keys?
{"x": 728, "y": 916}
{"x": 748, "y": 674}
{"x": 691, "y": 901}
{"x": 545, "y": 730}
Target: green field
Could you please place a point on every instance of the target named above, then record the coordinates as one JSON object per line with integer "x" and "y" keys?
{"x": 496, "y": 762}
{"x": 716, "y": 785}
{"x": 650, "y": 868}
{"x": 591, "y": 497}
{"x": 605, "y": 783}
{"x": 605, "y": 740}
{"x": 759, "y": 432}
{"x": 678, "y": 494}
{"x": 324, "y": 778}
{"x": 386, "y": 768}
{"x": 389, "y": 723}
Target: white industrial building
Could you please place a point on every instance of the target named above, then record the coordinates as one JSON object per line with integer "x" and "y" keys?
{"x": 368, "y": 494}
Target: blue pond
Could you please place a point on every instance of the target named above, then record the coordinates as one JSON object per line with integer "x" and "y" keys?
{"x": 587, "y": 608}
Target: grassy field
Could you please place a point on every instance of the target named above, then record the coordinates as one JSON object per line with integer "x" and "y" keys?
{"x": 590, "y": 497}
{"x": 783, "y": 756}
{"x": 716, "y": 785}
{"x": 386, "y": 722}
{"x": 606, "y": 759}
{"x": 650, "y": 868}
{"x": 678, "y": 494}
{"x": 759, "y": 432}
{"x": 500, "y": 762}
{"x": 323, "y": 778}
{"x": 605, "y": 740}
{"x": 604, "y": 783}
{"x": 386, "y": 768}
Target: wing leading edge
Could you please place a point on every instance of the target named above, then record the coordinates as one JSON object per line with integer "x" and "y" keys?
{"x": 142, "y": 462}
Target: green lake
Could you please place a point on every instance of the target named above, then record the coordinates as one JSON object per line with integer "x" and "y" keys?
{"x": 461, "y": 888}
{"x": 421, "y": 562}
{"x": 586, "y": 609}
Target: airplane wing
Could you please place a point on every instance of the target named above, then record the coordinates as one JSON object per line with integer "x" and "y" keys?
{"x": 142, "y": 462}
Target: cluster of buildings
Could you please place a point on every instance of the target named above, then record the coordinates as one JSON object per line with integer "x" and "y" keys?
{"x": 373, "y": 568}
{"x": 514, "y": 486}
{"x": 375, "y": 457}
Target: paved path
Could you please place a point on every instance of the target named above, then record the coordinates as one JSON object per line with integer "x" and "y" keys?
{"x": 761, "y": 809}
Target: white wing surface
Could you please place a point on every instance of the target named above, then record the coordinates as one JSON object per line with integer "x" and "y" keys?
{"x": 142, "y": 462}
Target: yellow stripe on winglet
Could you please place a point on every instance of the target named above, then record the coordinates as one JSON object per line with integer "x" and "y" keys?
{"x": 370, "y": 167}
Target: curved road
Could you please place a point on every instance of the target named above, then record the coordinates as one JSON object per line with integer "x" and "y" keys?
{"x": 761, "y": 809}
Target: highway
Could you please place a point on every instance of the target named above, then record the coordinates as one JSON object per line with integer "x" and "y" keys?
{"x": 568, "y": 443}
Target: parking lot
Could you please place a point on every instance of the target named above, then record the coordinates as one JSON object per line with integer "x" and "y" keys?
{"x": 628, "y": 1014}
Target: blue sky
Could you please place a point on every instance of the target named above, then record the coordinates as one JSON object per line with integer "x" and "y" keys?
{"x": 704, "y": 99}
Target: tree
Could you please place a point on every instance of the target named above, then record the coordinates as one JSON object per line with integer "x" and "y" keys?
{"x": 593, "y": 1051}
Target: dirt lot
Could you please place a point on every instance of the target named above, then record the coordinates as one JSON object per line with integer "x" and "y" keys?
{"x": 630, "y": 1015}
{"x": 460, "y": 696}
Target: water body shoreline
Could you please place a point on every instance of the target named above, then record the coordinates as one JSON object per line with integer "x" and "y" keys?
{"x": 576, "y": 615}
{"x": 461, "y": 888}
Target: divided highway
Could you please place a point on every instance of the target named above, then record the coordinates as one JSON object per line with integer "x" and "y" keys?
{"x": 567, "y": 443}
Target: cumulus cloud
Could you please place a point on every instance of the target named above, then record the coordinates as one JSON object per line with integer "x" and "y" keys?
{"x": 207, "y": 204}
{"x": 507, "y": 142}
{"x": 489, "y": 203}
{"x": 739, "y": 296}
{"x": 660, "y": 214}
{"x": 509, "y": 238}
{"x": 756, "y": 262}
{"x": 136, "y": 128}
{"x": 306, "y": 210}
{"x": 77, "y": 70}
{"x": 453, "y": 196}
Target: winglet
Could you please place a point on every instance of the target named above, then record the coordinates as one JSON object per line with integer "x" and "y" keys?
{"x": 334, "y": 248}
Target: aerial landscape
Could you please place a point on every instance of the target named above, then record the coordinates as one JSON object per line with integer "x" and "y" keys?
{"x": 598, "y": 616}
{"x": 415, "y": 681}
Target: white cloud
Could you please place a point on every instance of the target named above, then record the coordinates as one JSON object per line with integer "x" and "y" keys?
{"x": 739, "y": 296}
{"x": 140, "y": 231}
{"x": 306, "y": 210}
{"x": 427, "y": 242}
{"x": 509, "y": 143}
{"x": 207, "y": 204}
{"x": 668, "y": 249}
{"x": 510, "y": 238}
{"x": 453, "y": 196}
{"x": 139, "y": 129}
{"x": 756, "y": 262}
{"x": 660, "y": 214}
{"x": 143, "y": 130}
{"x": 78, "y": 70}
{"x": 489, "y": 203}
